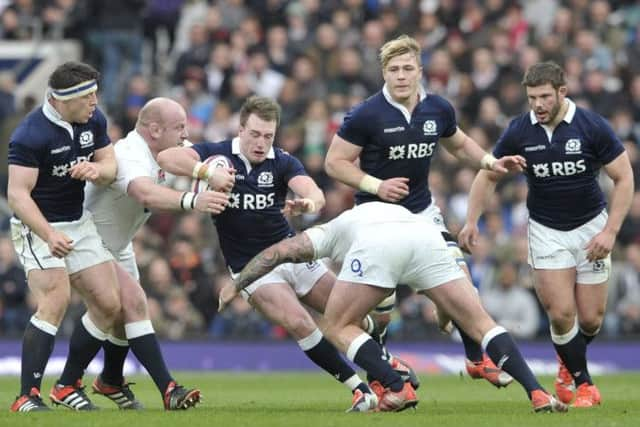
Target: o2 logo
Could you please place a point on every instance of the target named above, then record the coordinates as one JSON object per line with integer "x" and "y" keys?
{"x": 356, "y": 267}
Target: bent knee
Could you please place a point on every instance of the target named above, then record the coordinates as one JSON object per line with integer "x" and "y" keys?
{"x": 591, "y": 325}
{"x": 299, "y": 325}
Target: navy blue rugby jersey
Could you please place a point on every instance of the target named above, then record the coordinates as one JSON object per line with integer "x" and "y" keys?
{"x": 396, "y": 144}
{"x": 562, "y": 168}
{"x": 252, "y": 221}
{"x": 44, "y": 141}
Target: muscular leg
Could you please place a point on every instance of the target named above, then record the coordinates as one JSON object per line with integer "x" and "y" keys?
{"x": 591, "y": 302}
{"x": 139, "y": 331}
{"x": 348, "y": 304}
{"x": 556, "y": 290}
{"x": 461, "y": 302}
{"x": 98, "y": 287}
{"x": 278, "y": 303}
{"x": 52, "y": 292}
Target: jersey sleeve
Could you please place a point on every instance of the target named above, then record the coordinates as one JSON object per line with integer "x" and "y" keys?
{"x": 130, "y": 168}
{"x": 506, "y": 143}
{"x": 320, "y": 239}
{"x": 100, "y": 136}
{"x": 292, "y": 167}
{"x": 449, "y": 116}
{"x": 354, "y": 128}
{"x": 608, "y": 145}
{"x": 25, "y": 150}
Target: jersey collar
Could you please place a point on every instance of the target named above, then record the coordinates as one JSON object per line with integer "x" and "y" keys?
{"x": 385, "y": 92}
{"x": 54, "y": 117}
{"x": 235, "y": 150}
{"x": 568, "y": 116}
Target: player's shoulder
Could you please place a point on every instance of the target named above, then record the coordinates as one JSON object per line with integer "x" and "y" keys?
{"x": 587, "y": 116}
{"x": 98, "y": 119}
{"x": 283, "y": 157}
{"x": 35, "y": 129}
{"x": 373, "y": 105}
{"x": 520, "y": 123}
{"x": 435, "y": 100}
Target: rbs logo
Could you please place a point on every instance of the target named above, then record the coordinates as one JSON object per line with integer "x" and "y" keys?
{"x": 251, "y": 202}
{"x": 411, "y": 151}
{"x": 61, "y": 170}
{"x": 543, "y": 170}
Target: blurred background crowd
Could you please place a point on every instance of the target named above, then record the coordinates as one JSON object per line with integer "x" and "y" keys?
{"x": 319, "y": 58}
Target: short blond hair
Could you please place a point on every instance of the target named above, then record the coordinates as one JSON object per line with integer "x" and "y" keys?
{"x": 399, "y": 46}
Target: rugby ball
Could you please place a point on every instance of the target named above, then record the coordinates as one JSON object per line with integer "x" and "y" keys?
{"x": 213, "y": 162}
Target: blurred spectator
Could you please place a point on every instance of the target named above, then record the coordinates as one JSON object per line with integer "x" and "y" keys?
{"x": 628, "y": 290}
{"x": 19, "y": 20}
{"x": 239, "y": 320}
{"x": 187, "y": 268}
{"x": 263, "y": 80}
{"x": 115, "y": 37}
{"x": 161, "y": 15}
{"x": 510, "y": 305}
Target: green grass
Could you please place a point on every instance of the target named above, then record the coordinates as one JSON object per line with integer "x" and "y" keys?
{"x": 310, "y": 400}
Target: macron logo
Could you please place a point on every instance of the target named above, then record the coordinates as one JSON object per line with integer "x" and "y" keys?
{"x": 60, "y": 149}
{"x": 394, "y": 130}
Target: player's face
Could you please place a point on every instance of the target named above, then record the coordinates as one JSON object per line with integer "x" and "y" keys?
{"x": 545, "y": 101}
{"x": 402, "y": 76}
{"x": 256, "y": 138}
{"x": 79, "y": 110}
{"x": 174, "y": 129}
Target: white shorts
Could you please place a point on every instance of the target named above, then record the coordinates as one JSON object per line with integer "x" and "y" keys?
{"x": 127, "y": 260}
{"x": 433, "y": 214}
{"x": 34, "y": 253}
{"x": 423, "y": 261}
{"x": 551, "y": 249}
{"x": 302, "y": 277}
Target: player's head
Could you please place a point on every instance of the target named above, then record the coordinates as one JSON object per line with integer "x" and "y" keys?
{"x": 546, "y": 88}
{"x": 162, "y": 122}
{"x": 73, "y": 90}
{"x": 401, "y": 67}
{"x": 259, "y": 119}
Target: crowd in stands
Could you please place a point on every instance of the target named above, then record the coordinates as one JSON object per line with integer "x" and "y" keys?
{"x": 319, "y": 58}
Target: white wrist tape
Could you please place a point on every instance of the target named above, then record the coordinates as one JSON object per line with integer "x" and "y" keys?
{"x": 201, "y": 171}
{"x": 370, "y": 184}
{"x": 188, "y": 201}
{"x": 487, "y": 162}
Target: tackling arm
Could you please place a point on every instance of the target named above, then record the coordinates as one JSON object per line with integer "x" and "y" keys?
{"x": 296, "y": 249}
{"x": 154, "y": 196}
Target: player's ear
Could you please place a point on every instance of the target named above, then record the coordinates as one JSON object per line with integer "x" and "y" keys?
{"x": 562, "y": 90}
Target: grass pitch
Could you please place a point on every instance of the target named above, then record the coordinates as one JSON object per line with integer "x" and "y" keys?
{"x": 314, "y": 399}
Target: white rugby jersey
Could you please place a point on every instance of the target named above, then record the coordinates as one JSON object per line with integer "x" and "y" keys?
{"x": 116, "y": 215}
{"x": 334, "y": 238}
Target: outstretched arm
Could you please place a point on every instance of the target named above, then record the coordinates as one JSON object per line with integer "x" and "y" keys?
{"x": 296, "y": 249}
{"x": 465, "y": 149}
